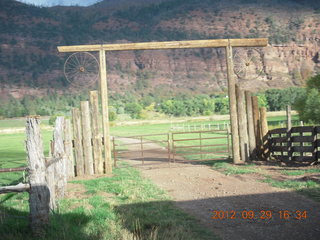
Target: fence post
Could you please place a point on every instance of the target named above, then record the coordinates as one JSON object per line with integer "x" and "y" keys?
{"x": 58, "y": 152}
{"x": 264, "y": 133}
{"x": 96, "y": 135}
{"x": 39, "y": 198}
{"x": 256, "y": 124}
{"x": 251, "y": 136}
{"x": 242, "y": 119}
{"x": 142, "y": 156}
{"x": 289, "y": 122}
{"x": 68, "y": 149}
{"x": 86, "y": 138}
{"x": 77, "y": 136}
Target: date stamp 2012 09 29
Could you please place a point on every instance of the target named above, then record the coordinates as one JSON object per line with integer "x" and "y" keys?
{"x": 262, "y": 214}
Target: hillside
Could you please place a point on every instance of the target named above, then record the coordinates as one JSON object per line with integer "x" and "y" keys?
{"x": 30, "y": 63}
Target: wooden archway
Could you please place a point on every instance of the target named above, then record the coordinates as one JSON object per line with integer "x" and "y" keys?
{"x": 228, "y": 44}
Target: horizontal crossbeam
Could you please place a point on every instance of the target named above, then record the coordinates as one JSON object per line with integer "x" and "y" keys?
{"x": 249, "y": 42}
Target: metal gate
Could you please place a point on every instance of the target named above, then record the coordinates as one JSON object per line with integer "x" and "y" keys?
{"x": 201, "y": 145}
{"x": 141, "y": 147}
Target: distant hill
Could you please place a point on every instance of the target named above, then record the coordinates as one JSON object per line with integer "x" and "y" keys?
{"x": 30, "y": 63}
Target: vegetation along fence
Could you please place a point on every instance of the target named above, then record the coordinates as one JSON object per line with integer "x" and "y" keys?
{"x": 299, "y": 144}
{"x": 47, "y": 176}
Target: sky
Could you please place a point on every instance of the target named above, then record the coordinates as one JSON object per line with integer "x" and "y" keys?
{"x": 46, "y": 3}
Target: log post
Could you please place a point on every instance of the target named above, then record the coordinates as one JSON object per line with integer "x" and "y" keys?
{"x": 39, "y": 192}
{"x": 77, "y": 138}
{"x": 233, "y": 106}
{"x": 86, "y": 138}
{"x": 251, "y": 136}
{"x": 58, "y": 152}
{"x": 256, "y": 123}
{"x": 289, "y": 121}
{"x": 68, "y": 149}
{"x": 105, "y": 113}
{"x": 264, "y": 133}
{"x": 96, "y": 135}
{"x": 243, "y": 131}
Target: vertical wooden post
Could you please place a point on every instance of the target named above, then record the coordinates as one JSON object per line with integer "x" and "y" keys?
{"x": 58, "y": 152}
{"x": 105, "y": 113}
{"x": 77, "y": 137}
{"x": 289, "y": 122}
{"x": 256, "y": 123}
{"x": 243, "y": 131}
{"x": 250, "y": 122}
{"x": 39, "y": 192}
{"x": 86, "y": 137}
{"x": 96, "y": 135}
{"x": 264, "y": 132}
{"x": 233, "y": 106}
{"x": 68, "y": 149}
{"x": 168, "y": 141}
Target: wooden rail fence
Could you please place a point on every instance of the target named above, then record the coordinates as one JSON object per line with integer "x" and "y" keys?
{"x": 47, "y": 176}
{"x": 299, "y": 144}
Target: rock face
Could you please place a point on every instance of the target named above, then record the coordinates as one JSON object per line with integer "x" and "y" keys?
{"x": 30, "y": 63}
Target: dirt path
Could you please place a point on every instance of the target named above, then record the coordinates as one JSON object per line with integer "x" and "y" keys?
{"x": 199, "y": 190}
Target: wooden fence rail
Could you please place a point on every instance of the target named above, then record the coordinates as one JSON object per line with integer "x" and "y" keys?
{"x": 299, "y": 144}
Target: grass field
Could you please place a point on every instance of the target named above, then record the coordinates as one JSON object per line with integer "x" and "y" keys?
{"x": 122, "y": 206}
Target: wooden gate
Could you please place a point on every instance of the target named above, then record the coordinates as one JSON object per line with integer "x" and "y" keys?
{"x": 201, "y": 145}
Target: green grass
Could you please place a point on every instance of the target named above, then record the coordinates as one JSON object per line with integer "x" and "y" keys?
{"x": 308, "y": 188}
{"x": 17, "y": 123}
{"x": 300, "y": 172}
{"x": 13, "y": 154}
{"x": 121, "y": 207}
{"x": 227, "y": 168}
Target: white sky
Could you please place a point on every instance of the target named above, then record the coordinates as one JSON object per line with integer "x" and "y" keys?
{"x": 60, "y": 2}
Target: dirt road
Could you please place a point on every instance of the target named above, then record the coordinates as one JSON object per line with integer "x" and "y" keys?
{"x": 199, "y": 190}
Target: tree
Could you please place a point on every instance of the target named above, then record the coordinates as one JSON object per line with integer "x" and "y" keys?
{"x": 308, "y": 104}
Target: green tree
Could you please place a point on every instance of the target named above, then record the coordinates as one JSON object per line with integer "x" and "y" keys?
{"x": 308, "y": 105}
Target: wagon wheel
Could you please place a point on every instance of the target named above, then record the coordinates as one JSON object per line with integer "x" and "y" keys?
{"x": 81, "y": 69}
{"x": 248, "y": 64}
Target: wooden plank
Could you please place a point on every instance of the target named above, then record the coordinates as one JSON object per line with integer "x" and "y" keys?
{"x": 86, "y": 138}
{"x": 233, "y": 106}
{"x": 302, "y": 138}
{"x": 105, "y": 113}
{"x": 253, "y": 42}
{"x": 279, "y": 148}
{"x": 278, "y": 131}
{"x": 58, "y": 152}
{"x": 302, "y": 129}
{"x": 68, "y": 149}
{"x": 303, "y": 158}
{"x": 302, "y": 149}
{"x": 251, "y": 136}
{"x": 21, "y": 187}
{"x": 96, "y": 134}
{"x": 242, "y": 120}
{"x": 278, "y": 140}
{"x": 39, "y": 198}
{"x": 77, "y": 136}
